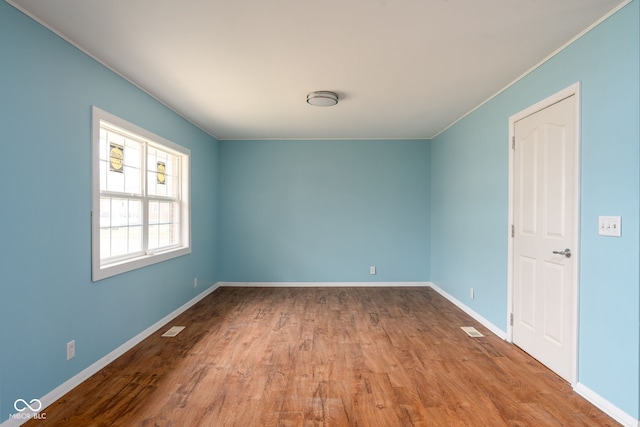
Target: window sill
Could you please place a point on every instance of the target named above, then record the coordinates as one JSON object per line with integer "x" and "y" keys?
{"x": 104, "y": 271}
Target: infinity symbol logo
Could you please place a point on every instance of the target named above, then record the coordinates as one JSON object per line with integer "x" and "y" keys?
{"x": 21, "y": 403}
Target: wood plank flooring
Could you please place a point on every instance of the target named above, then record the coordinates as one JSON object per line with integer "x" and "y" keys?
{"x": 324, "y": 357}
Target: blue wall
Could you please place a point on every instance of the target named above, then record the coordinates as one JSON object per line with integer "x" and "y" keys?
{"x": 470, "y": 201}
{"x": 47, "y": 88}
{"x": 324, "y": 211}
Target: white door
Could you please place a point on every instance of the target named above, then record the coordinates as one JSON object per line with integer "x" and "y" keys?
{"x": 544, "y": 215}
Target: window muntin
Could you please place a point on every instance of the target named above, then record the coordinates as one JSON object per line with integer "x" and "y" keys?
{"x": 141, "y": 204}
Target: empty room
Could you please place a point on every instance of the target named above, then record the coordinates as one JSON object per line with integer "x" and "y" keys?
{"x": 327, "y": 213}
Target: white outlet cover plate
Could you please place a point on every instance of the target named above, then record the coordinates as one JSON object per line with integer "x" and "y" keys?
{"x": 71, "y": 350}
{"x": 610, "y": 226}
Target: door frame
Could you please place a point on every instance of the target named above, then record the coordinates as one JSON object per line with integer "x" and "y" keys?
{"x": 573, "y": 90}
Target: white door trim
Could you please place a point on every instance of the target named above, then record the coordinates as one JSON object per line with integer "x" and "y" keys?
{"x": 573, "y": 90}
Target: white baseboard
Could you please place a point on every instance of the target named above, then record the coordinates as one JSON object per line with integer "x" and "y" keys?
{"x": 484, "y": 322}
{"x": 83, "y": 375}
{"x": 319, "y": 284}
{"x": 605, "y": 406}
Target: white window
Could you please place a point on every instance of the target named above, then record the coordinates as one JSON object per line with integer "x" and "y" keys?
{"x": 141, "y": 209}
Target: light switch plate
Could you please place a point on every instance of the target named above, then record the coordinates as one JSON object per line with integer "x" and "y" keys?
{"x": 610, "y": 226}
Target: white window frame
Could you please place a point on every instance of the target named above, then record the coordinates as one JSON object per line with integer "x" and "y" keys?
{"x": 102, "y": 270}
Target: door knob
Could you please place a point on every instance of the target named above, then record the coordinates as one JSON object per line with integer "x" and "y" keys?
{"x": 566, "y": 252}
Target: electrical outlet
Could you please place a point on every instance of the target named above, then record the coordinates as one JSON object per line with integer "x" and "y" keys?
{"x": 71, "y": 349}
{"x": 372, "y": 269}
{"x": 195, "y": 282}
{"x": 471, "y": 293}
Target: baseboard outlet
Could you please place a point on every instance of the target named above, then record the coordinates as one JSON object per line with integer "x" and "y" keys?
{"x": 484, "y": 322}
{"x": 605, "y": 406}
{"x": 320, "y": 284}
{"x": 85, "y": 374}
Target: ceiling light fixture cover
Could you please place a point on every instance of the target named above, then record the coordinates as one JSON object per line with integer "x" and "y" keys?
{"x": 322, "y": 98}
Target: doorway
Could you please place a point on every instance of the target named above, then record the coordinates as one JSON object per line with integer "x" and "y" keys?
{"x": 544, "y": 221}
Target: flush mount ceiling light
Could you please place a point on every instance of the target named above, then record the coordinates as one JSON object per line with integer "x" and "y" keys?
{"x": 322, "y": 98}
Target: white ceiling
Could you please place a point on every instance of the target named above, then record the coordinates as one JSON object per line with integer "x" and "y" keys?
{"x": 241, "y": 69}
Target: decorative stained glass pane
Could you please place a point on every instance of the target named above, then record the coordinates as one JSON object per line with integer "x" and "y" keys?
{"x": 116, "y": 158}
{"x": 160, "y": 173}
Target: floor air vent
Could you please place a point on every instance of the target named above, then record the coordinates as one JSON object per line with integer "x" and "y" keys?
{"x": 471, "y": 331}
{"x": 175, "y": 330}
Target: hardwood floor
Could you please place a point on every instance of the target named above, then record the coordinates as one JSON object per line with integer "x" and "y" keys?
{"x": 324, "y": 357}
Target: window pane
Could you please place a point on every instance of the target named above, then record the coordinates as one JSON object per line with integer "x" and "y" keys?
{"x": 133, "y": 148}
{"x": 115, "y": 181}
{"x": 119, "y": 212}
{"x": 135, "y": 239}
{"x": 153, "y": 212}
{"x": 105, "y": 212}
{"x": 120, "y": 163}
{"x": 162, "y": 173}
{"x": 135, "y": 212}
{"x": 164, "y": 235}
{"x": 132, "y": 167}
{"x": 164, "y": 224}
{"x": 151, "y": 171}
{"x": 165, "y": 212}
{"x": 114, "y": 153}
{"x": 121, "y": 230}
{"x": 153, "y": 187}
{"x": 102, "y": 159}
{"x": 153, "y": 237}
{"x": 119, "y": 241}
